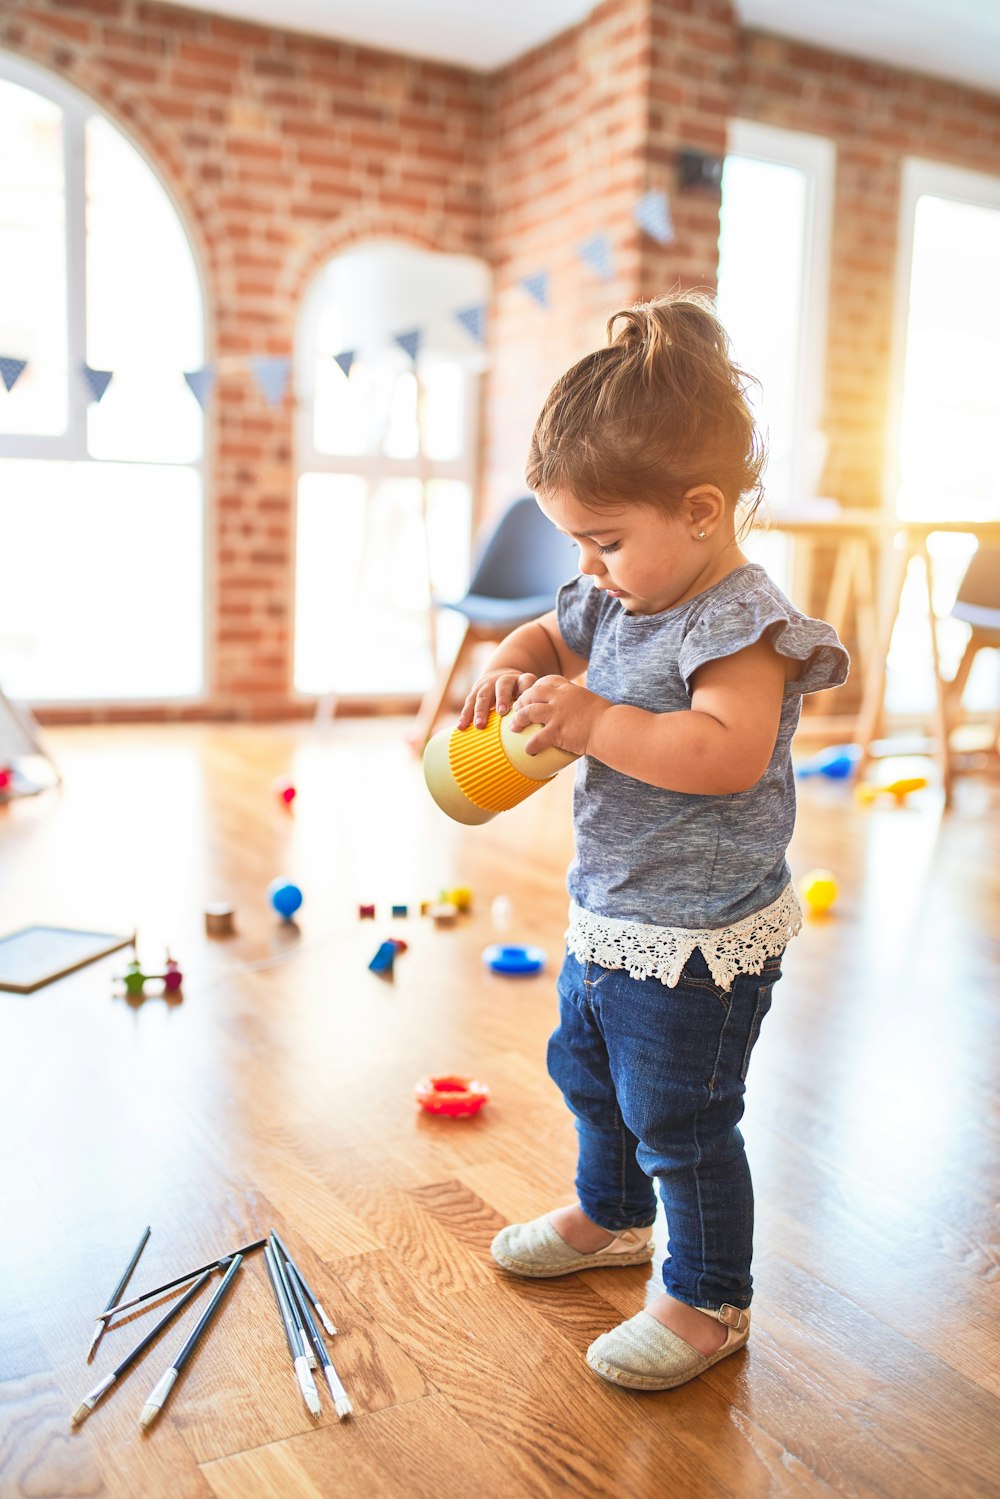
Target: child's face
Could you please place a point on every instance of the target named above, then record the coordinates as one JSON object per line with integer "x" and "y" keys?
{"x": 650, "y": 559}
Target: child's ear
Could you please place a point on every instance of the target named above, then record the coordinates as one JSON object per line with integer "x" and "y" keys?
{"x": 704, "y": 509}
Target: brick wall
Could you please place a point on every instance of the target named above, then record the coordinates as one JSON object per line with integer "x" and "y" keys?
{"x": 280, "y": 150}
{"x": 578, "y": 130}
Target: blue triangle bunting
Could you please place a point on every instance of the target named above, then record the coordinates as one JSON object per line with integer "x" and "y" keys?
{"x": 596, "y": 252}
{"x": 11, "y": 370}
{"x": 271, "y": 371}
{"x": 537, "y": 286}
{"x": 473, "y": 320}
{"x": 97, "y": 381}
{"x": 202, "y": 383}
{"x": 410, "y": 343}
{"x": 652, "y": 213}
{"x": 345, "y": 359}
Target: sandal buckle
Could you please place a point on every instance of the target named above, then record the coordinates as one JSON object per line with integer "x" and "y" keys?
{"x": 732, "y": 1316}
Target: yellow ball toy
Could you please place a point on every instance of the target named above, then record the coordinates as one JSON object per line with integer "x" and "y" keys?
{"x": 819, "y": 890}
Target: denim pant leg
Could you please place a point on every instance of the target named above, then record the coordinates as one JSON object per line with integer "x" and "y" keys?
{"x": 679, "y": 1060}
{"x": 613, "y": 1189}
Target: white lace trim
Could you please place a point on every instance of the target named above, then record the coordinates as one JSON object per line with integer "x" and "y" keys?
{"x": 662, "y": 951}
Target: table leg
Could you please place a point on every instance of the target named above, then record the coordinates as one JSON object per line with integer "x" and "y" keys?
{"x": 870, "y": 716}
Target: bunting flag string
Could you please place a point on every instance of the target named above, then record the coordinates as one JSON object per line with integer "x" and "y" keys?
{"x": 201, "y": 383}
{"x": 473, "y": 320}
{"x": 652, "y": 214}
{"x": 409, "y": 342}
{"x": 596, "y": 252}
{"x": 271, "y": 371}
{"x": 97, "y": 381}
{"x": 11, "y": 370}
{"x": 537, "y": 286}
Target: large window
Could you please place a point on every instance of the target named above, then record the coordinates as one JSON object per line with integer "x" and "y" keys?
{"x": 942, "y": 457}
{"x": 774, "y": 247}
{"x": 386, "y": 457}
{"x": 101, "y": 503}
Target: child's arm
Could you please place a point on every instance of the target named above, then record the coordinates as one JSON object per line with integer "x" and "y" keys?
{"x": 527, "y": 653}
{"x": 719, "y": 746}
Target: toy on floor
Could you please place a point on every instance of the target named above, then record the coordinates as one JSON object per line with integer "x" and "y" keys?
{"x": 819, "y": 891}
{"x": 473, "y": 774}
{"x": 501, "y": 913}
{"x": 135, "y": 980}
{"x": 899, "y": 789}
{"x": 285, "y": 792}
{"x": 219, "y": 920}
{"x": 836, "y": 763}
{"x": 443, "y": 913}
{"x": 513, "y": 960}
{"x": 285, "y": 897}
{"x": 452, "y": 1096}
{"x": 386, "y": 956}
{"x": 460, "y": 898}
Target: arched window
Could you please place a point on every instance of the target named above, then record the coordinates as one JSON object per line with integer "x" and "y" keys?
{"x": 101, "y": 502}
{"x": 386, "y": 461}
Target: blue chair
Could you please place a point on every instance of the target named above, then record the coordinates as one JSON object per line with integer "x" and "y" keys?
{"x": 520, "y": 567}
{"x": 977, "y": 604}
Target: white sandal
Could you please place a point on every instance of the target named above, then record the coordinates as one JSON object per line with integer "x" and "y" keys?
{"x": 535, "y": 1250}
{"x": 642, "y": 1354}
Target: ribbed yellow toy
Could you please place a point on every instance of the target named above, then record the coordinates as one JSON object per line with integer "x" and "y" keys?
{"x": 473, "y": 774}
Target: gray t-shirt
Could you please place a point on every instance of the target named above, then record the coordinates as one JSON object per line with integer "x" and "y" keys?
{"x": 671, "y": 858}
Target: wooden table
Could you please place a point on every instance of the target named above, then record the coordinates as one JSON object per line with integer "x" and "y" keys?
{"x": 872, "y": 555}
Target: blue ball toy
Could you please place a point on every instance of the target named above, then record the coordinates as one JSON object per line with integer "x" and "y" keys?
{"x": 284, "y": 897}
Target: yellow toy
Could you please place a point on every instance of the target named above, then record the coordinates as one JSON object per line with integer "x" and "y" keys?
{"x": 899, "y": 790}
{"x": 819, "y": 891}
{"x": 473, "y": 774}
{"x": 460, "y": 898}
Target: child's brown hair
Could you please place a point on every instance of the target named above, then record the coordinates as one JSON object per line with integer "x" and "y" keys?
{"x": 661, "y": 409}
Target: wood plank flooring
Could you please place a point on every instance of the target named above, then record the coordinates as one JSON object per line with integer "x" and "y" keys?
{"x": 279, "y": 1093}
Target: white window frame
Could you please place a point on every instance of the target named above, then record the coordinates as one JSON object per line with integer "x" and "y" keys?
{"x": 372, "y": 466}
{"x": 71, "y": 445}
{"x": 816, "y": 158}
{"x": 919, "y": 178}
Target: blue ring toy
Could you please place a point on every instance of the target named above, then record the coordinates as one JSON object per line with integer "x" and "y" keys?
{"x": 502, "y": 958}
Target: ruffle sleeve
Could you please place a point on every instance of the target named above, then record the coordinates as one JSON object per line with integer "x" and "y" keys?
{"x": 734, "y": 624}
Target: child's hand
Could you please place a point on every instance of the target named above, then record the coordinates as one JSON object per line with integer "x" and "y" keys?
{"x": 494, "y": 689}
{"x": 569, "y": 713}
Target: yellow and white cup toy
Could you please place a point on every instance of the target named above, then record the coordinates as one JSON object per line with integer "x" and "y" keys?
{"x": 473, "y": 773}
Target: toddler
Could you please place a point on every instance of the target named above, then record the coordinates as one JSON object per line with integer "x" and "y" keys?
{"x": 646, "y": 456}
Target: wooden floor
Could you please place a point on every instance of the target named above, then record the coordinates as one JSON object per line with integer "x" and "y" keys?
{"x": 279, "y": 1092}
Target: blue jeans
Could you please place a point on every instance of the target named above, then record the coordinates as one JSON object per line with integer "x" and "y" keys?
{"x": 656, "y": 1078}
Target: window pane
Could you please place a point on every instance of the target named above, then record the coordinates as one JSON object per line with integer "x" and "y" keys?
{"x": 33, "y": 257}
{"x": 100, "y": 581}
{"x": 363, "y": 591}
{"x": 761, "y": 265}
{"x": 144, "y": 317}
{"x": 951, "y": 383}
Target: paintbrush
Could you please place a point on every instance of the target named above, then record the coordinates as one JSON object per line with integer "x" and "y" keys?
{"x": 101, "y": 1321}
{"x": 341, "y": 1400}
{"x": 160, "y": 1393}
{"x": 306, "y": 1382}
{"x": 285, "y": 1258}
{"x": 93, "y": 1396}
{"x": 220, "y": 1264}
